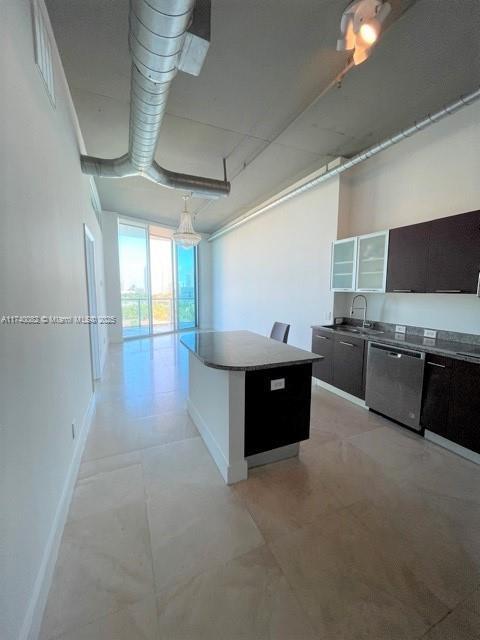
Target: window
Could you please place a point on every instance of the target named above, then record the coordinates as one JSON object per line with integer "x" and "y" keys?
{"x": 43, "y": 50}
{"x": 158, "y": 281}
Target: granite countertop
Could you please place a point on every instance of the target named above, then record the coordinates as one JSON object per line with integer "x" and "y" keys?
{"x": 470, "y": 352}
{"x": 243, "y": 351}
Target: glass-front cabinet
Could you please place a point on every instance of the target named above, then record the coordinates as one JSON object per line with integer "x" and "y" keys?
{"x": 360, "y": 263}
{"x": 344, "y": 258}
{"x": 372, "y": 253}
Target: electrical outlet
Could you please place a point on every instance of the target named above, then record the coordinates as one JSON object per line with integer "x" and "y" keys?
{"x": 73, "y": 430}
{"x": 430, "y": 333}
{"x": 276, "y": 385}
{"x": 400, "y": 328}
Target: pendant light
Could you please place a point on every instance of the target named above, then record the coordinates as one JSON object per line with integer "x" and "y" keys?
{"x": 185, "y": 235}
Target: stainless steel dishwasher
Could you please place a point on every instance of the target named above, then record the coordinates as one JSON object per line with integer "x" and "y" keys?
{"x": 394, "y": 383}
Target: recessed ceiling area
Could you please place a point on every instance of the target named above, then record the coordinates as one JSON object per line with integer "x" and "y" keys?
{"x": 266, "y": 64}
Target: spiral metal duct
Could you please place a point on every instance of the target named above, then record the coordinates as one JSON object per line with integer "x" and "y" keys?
{"x": 156, "y": 38}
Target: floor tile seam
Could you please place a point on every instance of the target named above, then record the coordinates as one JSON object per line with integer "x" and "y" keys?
{"x": 105, "y": 472}
{"x": 150, "y": 415}
{"x": 293, "y": 591}
{"x": 215, "y": 566}
{"x": 139, "y": 449}
{"x": 368, "y": 530}
{"x": 150, "y": 548}
{"x": 464, "y": 600}
{"x": 102, "y": 512}
{"x": 201, "y": 517}
{"x": 96, "y": 618}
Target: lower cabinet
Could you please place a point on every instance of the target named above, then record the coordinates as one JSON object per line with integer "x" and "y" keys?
{"x": 322, "y": 344}
{"x": 343, "y": 360}
{"x": 451, "y": 401}
{"x": 348, "y": 364}
{"x": 437, "y": 386}
{"x": 465, "y": 405}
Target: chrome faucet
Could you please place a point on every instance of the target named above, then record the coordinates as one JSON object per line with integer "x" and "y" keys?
{"x": 353, "y": 308}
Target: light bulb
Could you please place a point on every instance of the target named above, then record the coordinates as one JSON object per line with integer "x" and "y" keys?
{"x": 369, "y": 31}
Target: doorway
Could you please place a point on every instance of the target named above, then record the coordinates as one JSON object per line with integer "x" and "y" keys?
{"x": 158, "y": 281}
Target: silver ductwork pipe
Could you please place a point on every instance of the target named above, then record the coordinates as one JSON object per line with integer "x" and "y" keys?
{"x": 462, "y": 102}
{"x": 156, "y": 38}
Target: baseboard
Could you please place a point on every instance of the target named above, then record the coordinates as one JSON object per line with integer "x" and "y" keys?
{"x": 274, "y": 455}
{"x": 33, "y": 618}
{"x": 339, "y": 392}
{"x": 452, "y": 446}
{"x": 231, "y": 473}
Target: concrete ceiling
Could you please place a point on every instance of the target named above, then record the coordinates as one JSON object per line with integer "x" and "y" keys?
{"x": 267, "y": 62}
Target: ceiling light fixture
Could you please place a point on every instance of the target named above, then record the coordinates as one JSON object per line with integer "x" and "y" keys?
{"x": 361, "y": 26}
{"x": 185, "y": 235}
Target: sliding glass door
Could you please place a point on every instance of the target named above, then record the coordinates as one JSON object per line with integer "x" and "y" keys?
{"x": 162, "y": 281}
{"x": 134, "y": 280}
{"x": 158, "y": 281}
{"x": 186, "y": 299}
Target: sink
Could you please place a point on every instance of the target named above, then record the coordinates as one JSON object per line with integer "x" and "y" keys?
{"x": 360, "y": 330}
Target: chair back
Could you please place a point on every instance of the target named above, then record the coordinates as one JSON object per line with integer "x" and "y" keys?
{"x": 280, "y": 331}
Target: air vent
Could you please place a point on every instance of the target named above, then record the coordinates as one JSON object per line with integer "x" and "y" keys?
{"x": 43, "y": 50}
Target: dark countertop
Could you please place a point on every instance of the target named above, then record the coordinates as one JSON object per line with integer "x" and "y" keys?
{"x": 243, "y": 351}
{"x": 449, "y": 348}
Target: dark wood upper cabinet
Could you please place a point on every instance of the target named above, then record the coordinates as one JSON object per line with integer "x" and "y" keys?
{"x": 454, "y": 254}
{"x": 408, "y": 259}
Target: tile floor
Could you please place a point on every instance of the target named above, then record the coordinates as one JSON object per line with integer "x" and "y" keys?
{"x": 372, "y": 533}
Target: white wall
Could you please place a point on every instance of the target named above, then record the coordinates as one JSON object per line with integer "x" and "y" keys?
{"x": 45, "y": 370}
{"x": 112, "y": 273}
{"x": 112, "y": 276}
{"x": 431, "y": 175}
{"x": 277, "y": 267}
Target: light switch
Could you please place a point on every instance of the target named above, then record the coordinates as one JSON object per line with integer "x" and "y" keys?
{"x": 277, "y": 384}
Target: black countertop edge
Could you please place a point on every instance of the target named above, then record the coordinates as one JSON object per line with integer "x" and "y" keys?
{"x": 454, "y": 350}
{"x": 255, "y": 339}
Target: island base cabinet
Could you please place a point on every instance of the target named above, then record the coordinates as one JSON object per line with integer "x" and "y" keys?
{"x": 277, "y": 407}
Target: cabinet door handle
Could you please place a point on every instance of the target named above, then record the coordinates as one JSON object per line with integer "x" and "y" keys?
{"x": 448, "y": 291}
{"x": 478, "y": 285}
{"x": 321, "y": 337}
{"x": 435, "y": 364}
{"x": 403, "y": 290}
{"x": 347, "y": 344}
{"x": 392, "y": 354}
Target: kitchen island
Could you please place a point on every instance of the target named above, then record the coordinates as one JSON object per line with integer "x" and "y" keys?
{"x": 249, "y": 397}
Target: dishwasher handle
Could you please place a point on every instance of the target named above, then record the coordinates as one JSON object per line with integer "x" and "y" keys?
{"x": 396, "y": 352}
